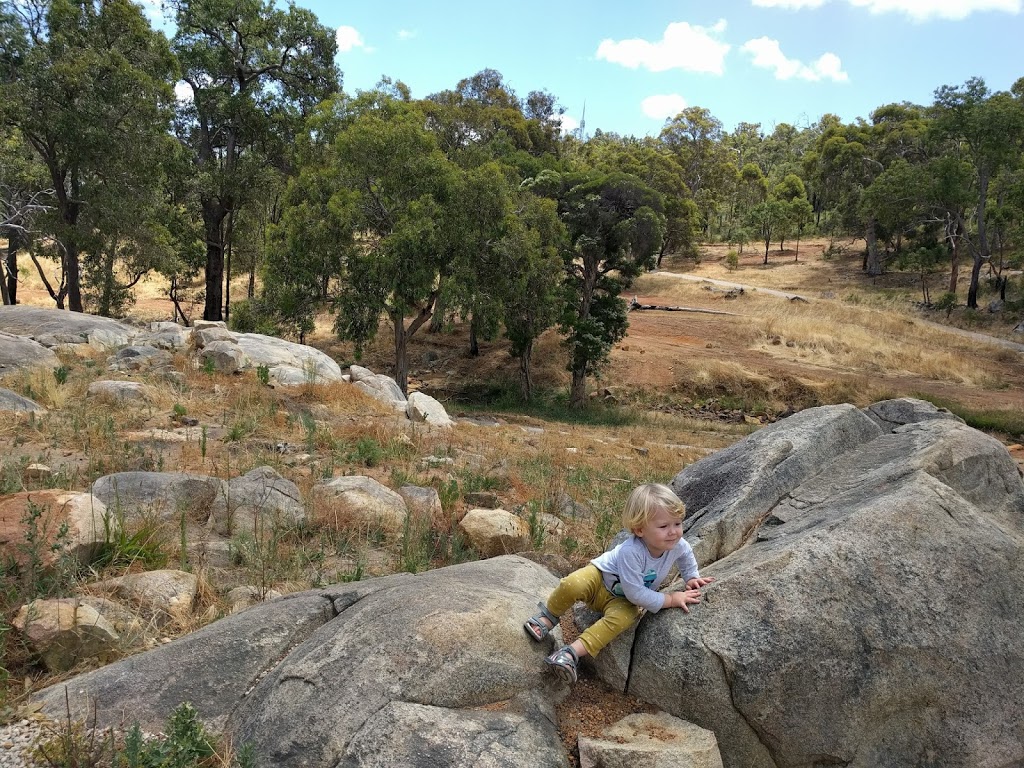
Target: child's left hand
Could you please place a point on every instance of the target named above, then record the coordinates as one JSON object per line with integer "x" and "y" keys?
{"x": 699, "y": 582}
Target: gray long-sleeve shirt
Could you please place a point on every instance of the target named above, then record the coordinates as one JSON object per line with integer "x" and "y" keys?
{"x": 630, "y": 571}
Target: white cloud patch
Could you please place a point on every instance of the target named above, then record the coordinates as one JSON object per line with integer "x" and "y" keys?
{"x": 663, "y": 106}
{"x": 407, "y": 34}
{"x": 568, "y": 123}
{"x": 183, "y": 91}
{"x": 918, "y": 10}
{"x": 683, "y": 46}
{"x": 348, "y": 38}
{"x": 766, "y": 54}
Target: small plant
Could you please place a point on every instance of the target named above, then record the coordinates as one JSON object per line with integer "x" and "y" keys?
{"x": 202, "y": 442}
{"x": 367, "y": 452}
{"x": 263, "y": 374}
{"x": 946, "y": 302}
{"x": 60, "y": 374}
{"x": 209, "y": 367}
{"x": 732, "y": 261}
{"x": 122, "y": 548}
{"x": 179, "y": 411}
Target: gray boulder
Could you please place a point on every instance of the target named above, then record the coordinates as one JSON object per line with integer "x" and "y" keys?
{"x": 727, "y": 493}
{"x": 289, "y": 363}
{"x": 350, "y": 675}
{"x": 57, "y": 326}
{"x": 164, "y": 494}
{"x": 19, "y": 353}
{"x": 869, "y": 614}
{"x": 259, "y": 497}
{"x": 13, "y": 402}
{"x": 379, "y": 387}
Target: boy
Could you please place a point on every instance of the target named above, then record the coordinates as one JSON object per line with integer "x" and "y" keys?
{"x": 625, "y": 579}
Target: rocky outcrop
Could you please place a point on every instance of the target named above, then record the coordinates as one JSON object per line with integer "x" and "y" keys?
{"x": 432, "y": 669}
{"x": 13, "y": 402}
{"x": 18, "y": 353}
{"x": 53, "y": 327}
{"x": 60, "y": 523}
{"x": 866, "y": 612}
{"x": 364, "y": 503}
{"x": 866, "y": 606}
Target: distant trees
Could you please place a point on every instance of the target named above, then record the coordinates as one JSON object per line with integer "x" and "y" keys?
{"x": 469, "y": 203}
{"x": 87, "y": 87}
{"x": 254, "y": 72}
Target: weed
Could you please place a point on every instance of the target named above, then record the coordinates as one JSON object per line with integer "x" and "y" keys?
{"x": 209, "y": 367}
{"x": 123, "y": 547}
{"x": 60, "y": 374}
{"x": 263, "y": 374}
{"x": 179, "y": 411}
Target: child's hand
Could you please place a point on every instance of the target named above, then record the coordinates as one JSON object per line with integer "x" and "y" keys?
{"x": 699, "y": 582}
{"x": 682, "y": 599}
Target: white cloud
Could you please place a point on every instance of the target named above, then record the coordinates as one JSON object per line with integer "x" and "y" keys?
{"x": 789, "y": 5}
{"x": 918, "y": 10}
{"x": 182, "y": 91}
{"x": 407, "y": 34}
{"x": 568, "y": 123}
{"x": 348, "y": 38}
{"x": 663, "y": 106}
{"x": 691, "y": 48}
{"x": 767, "y": 54}
{"x": 922, "y": 10}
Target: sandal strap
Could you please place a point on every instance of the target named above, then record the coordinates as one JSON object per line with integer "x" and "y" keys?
{"x": 548, "y": 615}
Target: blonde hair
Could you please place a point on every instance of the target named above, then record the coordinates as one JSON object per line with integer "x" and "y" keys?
{"x": 647, "y": 500}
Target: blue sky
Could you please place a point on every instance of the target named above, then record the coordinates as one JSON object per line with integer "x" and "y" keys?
{"x": 760, "y": 61}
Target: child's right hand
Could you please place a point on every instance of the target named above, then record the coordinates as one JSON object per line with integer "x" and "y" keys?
{"x": 682, "y": 599}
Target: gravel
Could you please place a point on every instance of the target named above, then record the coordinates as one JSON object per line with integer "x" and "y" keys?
{"x": 16, "y": 741}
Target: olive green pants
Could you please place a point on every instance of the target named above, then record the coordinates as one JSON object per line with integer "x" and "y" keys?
{"x": 586, "y": 585}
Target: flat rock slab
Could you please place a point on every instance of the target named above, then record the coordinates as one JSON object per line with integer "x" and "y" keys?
{"x": 20, "y": 353}
{"x": 61, "y": 326}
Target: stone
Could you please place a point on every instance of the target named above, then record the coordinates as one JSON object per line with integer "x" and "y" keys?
{"x": 166, "y": 495}
{"x": 224, "y": 356}
{"x": 120, "y": 392}
{"x": 365, "y": 502}
{"x": 651, "y": 741}
{"x": 493, "y": 532}
{"x": 139, "y": 357}
{"x": 286, "y": 360}
{"x": 424, "y": 408}
{"x": 424, "y": 502}
{"x": 379, "y": 387}
{"x": 63, "y": 632}
{"x": 65, "y": 524}
{"x": 12, "y": 401}
{"x": 163, "y": 595}
{"x": 18, "y": 353}
{"x": 260, "y": 497}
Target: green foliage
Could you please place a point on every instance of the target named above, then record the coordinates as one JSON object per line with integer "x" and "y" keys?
{"x": 144, "y": 542}
{"x": 732, "y": 261}
{"x": 60, "y": 374}
{"x": 263, "y": 374}
{"x": 947, "y": 302}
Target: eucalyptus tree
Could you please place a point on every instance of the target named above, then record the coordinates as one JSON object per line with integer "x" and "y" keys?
{"x": 990, "y": 128}
{"x": 615, "y": 225}
{"x": 530, "y": 256}
{"x": 395, "y": 191}
{"x": 25, "y": 195}
{"x": 695, "y": 136}
{"x": 254, "y": 71}
{"x": 87, "y": 84}
{"x": 651, "y": 162}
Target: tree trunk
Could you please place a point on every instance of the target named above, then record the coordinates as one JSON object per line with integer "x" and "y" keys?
{"x": 5, "y": 297}
{"x": 953, "y": 236}
{"x": 401, "y": 352}
{"x": 107, "y": 289}
{"x": 874, "y": 262}
{"x": 972, "y": 291}
{"x": 578, "y": 392}
{"x": 227, "y": 266}
{"x": 213, "y": 218}
{"x": 14, "y": 242}
{"x": 525, "y": 376}
{"x": 766, "y": 244}
{"x": 474, "y": 344}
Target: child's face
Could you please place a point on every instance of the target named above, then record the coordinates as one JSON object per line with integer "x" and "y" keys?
{"x": 661, "y": 532}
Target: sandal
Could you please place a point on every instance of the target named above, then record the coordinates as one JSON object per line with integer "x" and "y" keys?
{"x": 564, "y": 661}
{"x": 535, "y": 626}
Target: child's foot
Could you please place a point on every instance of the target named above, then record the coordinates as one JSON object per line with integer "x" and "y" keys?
{"x": 564, "y": 662}
{"x": 538, "y": 627}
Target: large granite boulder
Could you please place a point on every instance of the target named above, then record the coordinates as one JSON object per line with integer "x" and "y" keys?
{"x": 427, "y": 670}
{"x": 867, "y": 605}
{"x": 19, "y": 353}
{"x": 52, "y": 327}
